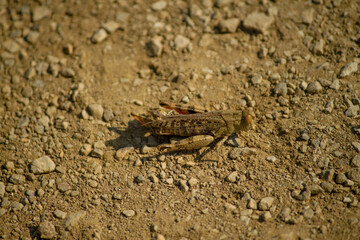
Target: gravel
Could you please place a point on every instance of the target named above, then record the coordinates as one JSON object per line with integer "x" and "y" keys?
{"x": 42, "y": 165}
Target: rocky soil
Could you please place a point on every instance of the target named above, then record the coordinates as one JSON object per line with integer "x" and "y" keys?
{"x": 76, "y": 165}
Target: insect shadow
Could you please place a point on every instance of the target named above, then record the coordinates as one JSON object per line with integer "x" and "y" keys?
{"x": 136, "y": 136}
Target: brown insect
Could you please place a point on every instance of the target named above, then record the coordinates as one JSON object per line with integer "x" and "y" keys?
{"x": 202, "y": 128}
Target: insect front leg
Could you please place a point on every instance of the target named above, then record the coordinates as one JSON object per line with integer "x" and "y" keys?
{"x": 190, "y": 143}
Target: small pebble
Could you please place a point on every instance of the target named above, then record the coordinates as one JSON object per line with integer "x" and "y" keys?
{"x": 46, "y": 230}
{"x": 308, "y": 213}
{"x": 181, "y": 42}
{"x": 266, "y": 203}
{"x": 314, "y": 87}
{"x": 111, "y": 26}
{"x": 258, "y": 22}
{"x": 40, "y": 12}
{"x": 266, "y": 216}
{"x": 59, "y": 214}
{"x": 183, "y": 185}
{"x": 348, "y": 69}
{"x": 352, "y": 111}
{"x": 72, "y": 219}
{"x": 355, "y": 161}
{"x": 99, "y": 36}
{"x": 67, "y": 72}
{"x": 42, "y": 165}
{"x": 271, "y": 159}
{"x": 17, "y": 179}
{"x": 159, "y": 5}
{"x": 95, "y": 110}
{"x": 232, "y": 177}
{"x": 340, "y": 178}
{"x": 281, "y": 89}
{"x": 139, "y": 179}
{"x": 356, "y": 145}
{"x": 251, "y": 204}
{"x": 229, "y": 25}
{"x": 128, "y": 213}
{"x": 154, "y": 47}
{"x": 32, "y": 37}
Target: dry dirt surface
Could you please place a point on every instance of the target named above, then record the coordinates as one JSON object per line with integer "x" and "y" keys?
{"x": 76, "y": 165}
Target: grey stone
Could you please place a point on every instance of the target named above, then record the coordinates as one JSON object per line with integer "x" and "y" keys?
{"x": 108, "y": 115}
{"x": 229, "y": 207}
{"x": 63, "y": 187}
{"x": 122, "y": 152}
{"x": 193, "y": 182}
{"x": 232, "y": 177}
{"x": 99, "y": 36}
{"x": 93, "y": 183}
{"x": 356, "y": 145}
{"x": 266, "y": 216}
{"x": 16, "y": 206}
{"x": 46, "y": 230}
{"x": 308, "y": 213}
{"x": 314, "y": 87}
{"x": 307, "y": 16}
{"x": 27, "y": 91}
{"x": 328, "y": 187}
{"x": 122, "y": 16}
{"x": 17, "y": 179}
{"x": 95, "y": 110}
{"x": 32, "y": 36}
{"x": 317, "y": 48}
{"x": 139, "y": 179}
{"x": 245, "y": 220}
{"x": 11, "y": 46}
{"x": 222, "y": 3}
{"x": 159, "y": 5}
{"x": 229, "y": 25}
{"x": 258, "y": 22}
{"x": 42, "y": 165}
{"x": 97, "y": 153}
{"x": 238, "y": 152}
{"x": 355, "y": 161}
{"x": 128, "y": 213}
{"x": 23, "y": 122}
{"x": 183, "y": 185}
{"x": 327, "y": 174}
{"x": 271, "y": 159}
{"x": 181, "y": 42}
{"x": 154, "y": 47}
{"x": 285, "y": 214}
{"x": 281, "y": 89}
{"x": 40, "y": 12}
{"x": 354, "y": 174}
{"x": 348, "y": 69}
{"x": 266, "y": 203}
{"x": 352, "y": 111}
{"x": 329, "y": 107}
{"x": 2, "y": 189}
{"x": 314, "y": 189}
{"x": 67, "y": 72}
{"x": 9, "y": 165}
{"x": 59, "y": 214}
{"x": 340, "y": 178}
{"x": 251, "y": 204}
{"x": 111, "y": 26}
{"x": 72, "y": 219}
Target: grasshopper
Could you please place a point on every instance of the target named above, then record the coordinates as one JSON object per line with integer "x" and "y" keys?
{"x": 202, "y": 128}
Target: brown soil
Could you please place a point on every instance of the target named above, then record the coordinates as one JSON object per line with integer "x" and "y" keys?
{"x": 295, "y": 176}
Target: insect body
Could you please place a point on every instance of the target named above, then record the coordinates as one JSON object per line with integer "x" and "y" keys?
{"x": 201, "y": 128}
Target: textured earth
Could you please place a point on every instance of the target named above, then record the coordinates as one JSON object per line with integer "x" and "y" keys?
{"x": 76, "y": 165}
